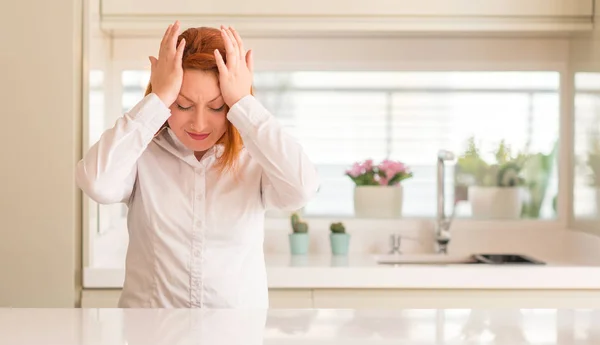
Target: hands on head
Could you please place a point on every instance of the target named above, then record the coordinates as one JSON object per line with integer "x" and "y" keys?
{"x": 235, "y": 75}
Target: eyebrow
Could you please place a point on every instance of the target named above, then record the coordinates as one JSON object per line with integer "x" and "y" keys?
{"x": 212, "y": 100}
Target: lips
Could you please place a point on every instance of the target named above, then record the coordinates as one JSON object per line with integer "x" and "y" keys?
{"x": 198, "y": 136}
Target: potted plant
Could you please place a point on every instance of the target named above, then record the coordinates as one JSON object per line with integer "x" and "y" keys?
{"x": 536, "y": 172}
{"x": 299, "y": 239}
{"x": 378, "y": 190}
{"x": 339, "y": 239}
{"x": 494, "y": 189}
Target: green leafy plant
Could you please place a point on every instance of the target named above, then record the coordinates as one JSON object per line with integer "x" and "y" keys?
{"x": 536, "y": 172}
{"x": 505, "y": 171}
{"x": 298, "y": 226}
{"x": 337, "y": 228}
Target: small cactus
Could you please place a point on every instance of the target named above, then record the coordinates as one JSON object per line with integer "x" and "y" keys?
{"x": 298, "y": 226}
{"x": 337, "y": 228}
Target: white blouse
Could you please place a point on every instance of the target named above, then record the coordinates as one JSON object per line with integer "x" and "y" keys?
{"x": 196, "y": 235}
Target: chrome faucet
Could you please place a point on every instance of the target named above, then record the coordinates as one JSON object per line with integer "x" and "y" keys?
{"x": 442, "y": 226}
{"x": 395, "y": 244}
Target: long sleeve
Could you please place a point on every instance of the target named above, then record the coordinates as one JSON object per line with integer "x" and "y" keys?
{"x": 289, "y": 178}
{"x": 108, "y": 171}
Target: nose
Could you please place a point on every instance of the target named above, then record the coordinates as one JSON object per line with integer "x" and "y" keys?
{"x": 199, "y": 120}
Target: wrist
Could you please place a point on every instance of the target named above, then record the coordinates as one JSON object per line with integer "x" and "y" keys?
{"x": 236, "y": 99}
{"x": 165, "y": 99}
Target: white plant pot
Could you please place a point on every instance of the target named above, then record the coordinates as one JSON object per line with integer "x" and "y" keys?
{"x": 378, "y": 201}
{"x": 496, "y": 202}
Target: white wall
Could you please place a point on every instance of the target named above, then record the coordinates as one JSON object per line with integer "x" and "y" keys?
{"x": 40, "y": 64}
{"x": 381, "y": 53}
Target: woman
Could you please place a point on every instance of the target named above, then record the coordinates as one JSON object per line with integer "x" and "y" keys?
{"x": 197, "y": 161}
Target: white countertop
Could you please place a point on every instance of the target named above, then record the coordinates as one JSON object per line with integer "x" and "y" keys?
{"x": 316, "y": 326}
{"x": 363, "y": 271}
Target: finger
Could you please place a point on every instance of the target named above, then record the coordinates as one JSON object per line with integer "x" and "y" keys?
{"x": 166, "y": 34}
{"x": 172, "y": 46}
{"x": 250, "y": 61}
{"x": 164, "y": 40}
{"x": 228, "y": 48}
{"x": 153, "y": 61}
{"x": 152, "y": 64}
{"x": 239, "y": 42}
{"x": 180, "y": 49}
{"x": 220, "y": 63}
{"x": 236, "y": 49}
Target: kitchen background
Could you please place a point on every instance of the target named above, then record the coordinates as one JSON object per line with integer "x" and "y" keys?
{"x": 395, "y": 81}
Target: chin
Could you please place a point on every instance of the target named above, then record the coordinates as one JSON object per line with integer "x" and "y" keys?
{"x": 200, "y": 147}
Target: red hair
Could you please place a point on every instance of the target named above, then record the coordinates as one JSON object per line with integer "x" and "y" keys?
{"x": 198, "y": 54}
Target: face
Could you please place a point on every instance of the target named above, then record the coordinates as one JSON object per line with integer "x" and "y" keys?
{"x": 198, "y": 116}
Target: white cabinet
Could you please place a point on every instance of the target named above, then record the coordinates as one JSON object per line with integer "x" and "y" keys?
{"x": 359, "y": 8}
{"x": 418, "y": 299}
{"x": 108, "y": 298}
{"x": 274, "y": 17}
{"x": 291, "y": 299}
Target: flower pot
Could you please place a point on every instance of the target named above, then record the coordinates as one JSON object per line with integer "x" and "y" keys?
{"x": 496, "y": 202}
{"x": 299, "y": 243}
{"x": 378, "y": 201}
{"x": 339, "y": 243}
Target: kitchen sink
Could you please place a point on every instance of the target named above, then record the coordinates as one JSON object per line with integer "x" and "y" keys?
{"x": 443, "y": 259}
{"x": 424, "y": 259}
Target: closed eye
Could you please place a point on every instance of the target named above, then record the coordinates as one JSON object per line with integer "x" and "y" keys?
{"x": 182, "y": 108}
{"x": 218, "y": 109}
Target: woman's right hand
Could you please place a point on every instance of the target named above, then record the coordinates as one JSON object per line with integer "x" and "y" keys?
{"x": 166, "y": 73}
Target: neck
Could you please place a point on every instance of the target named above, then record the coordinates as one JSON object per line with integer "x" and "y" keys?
{"x": 199, "y": 154}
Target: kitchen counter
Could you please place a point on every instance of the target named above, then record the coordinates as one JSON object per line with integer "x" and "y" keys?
{"x": 310, "y": 326}
{"x": 363, "y": 272}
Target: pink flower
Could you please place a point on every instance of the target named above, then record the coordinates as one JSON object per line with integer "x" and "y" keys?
{"x": 389, "y": 169}
{"x": 356, "y": 170}
{"x": 360, "y": 168}
{"x": 386, "y": 173}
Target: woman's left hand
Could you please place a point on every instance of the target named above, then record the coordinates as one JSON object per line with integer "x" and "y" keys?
{"x": 235, "y": 77}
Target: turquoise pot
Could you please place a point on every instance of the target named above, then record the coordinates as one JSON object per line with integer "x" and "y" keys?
{"x": 339, "y": 243}
{"x": 299, "y": 243}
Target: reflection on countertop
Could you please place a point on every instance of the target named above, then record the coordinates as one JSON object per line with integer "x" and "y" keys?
{"x": 316, "y": 326}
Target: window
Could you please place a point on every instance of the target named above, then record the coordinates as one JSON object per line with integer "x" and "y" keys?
{"x": 586, "y": 194}
{"x": 344, "y": 117}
